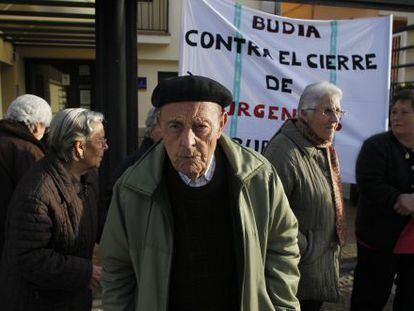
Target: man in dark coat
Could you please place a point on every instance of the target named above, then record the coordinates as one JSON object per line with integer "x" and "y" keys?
{"x": 20, "y": 147}
{"x": 152, "y": 135}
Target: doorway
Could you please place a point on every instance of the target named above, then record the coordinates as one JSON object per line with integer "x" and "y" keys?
{"x": 62, "y": 83}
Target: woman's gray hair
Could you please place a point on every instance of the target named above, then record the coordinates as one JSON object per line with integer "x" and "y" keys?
{"x": 314, "y": 92}
{"x": 150, "y": 121}
{"x": 30, "y": 110}
{"x": 70, "y": 125}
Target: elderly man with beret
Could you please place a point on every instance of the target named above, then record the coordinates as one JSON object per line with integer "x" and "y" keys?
{"x": 199, "y": 222}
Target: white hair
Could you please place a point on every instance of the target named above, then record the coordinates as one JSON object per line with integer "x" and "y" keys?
{"x": 314, "y": 92}
{"x": 30, "y": 109}
{"x": 70, "y": 125}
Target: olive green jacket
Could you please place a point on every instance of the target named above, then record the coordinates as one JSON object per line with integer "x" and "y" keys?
{"x": 307, "y": 187}
{"x": 137, "y": 242}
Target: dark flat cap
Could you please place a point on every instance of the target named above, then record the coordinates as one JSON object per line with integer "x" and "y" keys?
{"x": 190, "y": 88}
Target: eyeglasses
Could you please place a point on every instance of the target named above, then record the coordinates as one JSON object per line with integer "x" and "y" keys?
{"x": 102, "y": 141}
{"x": 328, "y": 112}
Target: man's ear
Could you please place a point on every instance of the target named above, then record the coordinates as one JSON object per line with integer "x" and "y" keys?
{"x": 37, "y": 130}
{"x": 223, "y": 121}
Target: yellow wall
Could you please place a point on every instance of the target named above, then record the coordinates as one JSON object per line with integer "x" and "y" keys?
{"x": 149, "y": 69}
{"x": 7, "y": 86}
{"x": 58, "y": 53}
{"x": 164, "y": 51}
{"x": 158, "y": 57}
{"x": 12, "y": 81}
{"x": 1, "y": 102}
{"x": 308, "y": 11}
{"x": 407, "y": 16}
{"x": 409, "y": 71}
{"x": 13, "y": 72}
{"x": 6, "y": 52}
{"x": 6, "y": 62}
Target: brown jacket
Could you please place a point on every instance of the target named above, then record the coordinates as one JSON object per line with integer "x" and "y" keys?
{"x": 52, "y": 226}
{"x": 19, "y": 150}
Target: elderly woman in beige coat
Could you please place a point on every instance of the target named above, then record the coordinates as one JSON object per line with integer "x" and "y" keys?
{"x": 306, "y": 162}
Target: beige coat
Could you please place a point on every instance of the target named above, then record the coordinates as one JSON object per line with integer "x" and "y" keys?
{"x": 310, "y": 195}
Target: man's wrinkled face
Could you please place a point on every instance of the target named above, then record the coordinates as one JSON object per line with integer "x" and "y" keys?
{"x": 190, "y": 131}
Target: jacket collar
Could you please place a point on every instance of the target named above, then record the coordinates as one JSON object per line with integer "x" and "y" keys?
{"x": 64, "y": 181}
{"x": 146, "y": 174}
{"x": 20, "y": 130}
{"x": 290, "y": 130}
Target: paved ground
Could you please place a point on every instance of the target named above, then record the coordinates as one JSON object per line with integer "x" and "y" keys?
{"x": 348, "y": 262}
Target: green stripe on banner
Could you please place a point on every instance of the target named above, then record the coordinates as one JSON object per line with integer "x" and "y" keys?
{"x": 334, "y": 39}
{"x": 237, "y": 71}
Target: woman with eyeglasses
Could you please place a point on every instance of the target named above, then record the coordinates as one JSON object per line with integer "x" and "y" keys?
{"x": 53, "y": 221}
{"x": 307, "y": 165}
{"x": 384, "y": 223}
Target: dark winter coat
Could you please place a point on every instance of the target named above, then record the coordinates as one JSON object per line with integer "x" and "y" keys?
{"x": 19, "y": 150}
{"x": 51, "y": 229}
{"x": 131, "y": 159}
{"x": 382, "y": 174}
{"x": 146, "y": 144}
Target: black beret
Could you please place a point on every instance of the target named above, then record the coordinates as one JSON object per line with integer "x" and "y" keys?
{"x": 190, "y": 88}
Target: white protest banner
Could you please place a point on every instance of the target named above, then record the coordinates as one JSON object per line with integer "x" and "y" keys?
{"x": 267, "y": 61}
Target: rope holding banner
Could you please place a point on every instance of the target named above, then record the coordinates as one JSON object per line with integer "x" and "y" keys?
{"x": 334, "y": 51}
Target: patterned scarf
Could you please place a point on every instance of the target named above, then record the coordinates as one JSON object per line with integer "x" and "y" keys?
{"x": 333, "y": 163}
